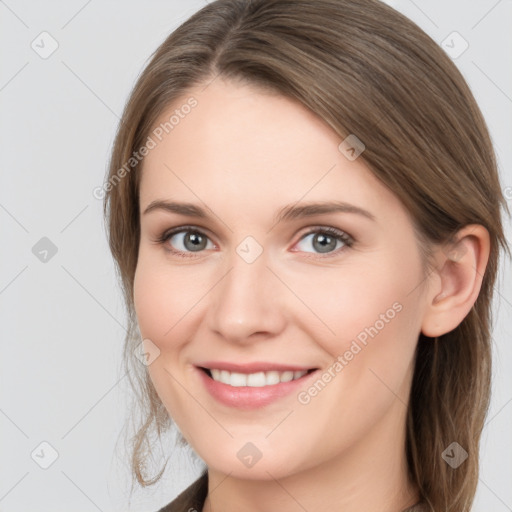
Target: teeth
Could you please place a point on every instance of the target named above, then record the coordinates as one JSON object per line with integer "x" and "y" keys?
{"x": 255, "y": 380}
{"x": 287, "y": 376}
{"x": 272, "y": 378}
{"x": 238, "y": 379}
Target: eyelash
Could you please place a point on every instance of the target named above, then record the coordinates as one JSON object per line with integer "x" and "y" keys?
{"x": 335, "y": 233}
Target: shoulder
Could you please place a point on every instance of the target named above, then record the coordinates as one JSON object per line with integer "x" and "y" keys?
{"x": 191, "y": 499}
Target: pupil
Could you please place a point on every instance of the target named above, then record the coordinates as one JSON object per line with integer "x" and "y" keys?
{"x": 195, "y": 239}
{"x": 325, "y": 247}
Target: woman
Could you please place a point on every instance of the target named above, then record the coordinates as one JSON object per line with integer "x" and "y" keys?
{"x": 304, "y": 208}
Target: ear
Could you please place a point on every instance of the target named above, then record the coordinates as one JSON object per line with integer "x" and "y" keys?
{"x": 461, "y": 266}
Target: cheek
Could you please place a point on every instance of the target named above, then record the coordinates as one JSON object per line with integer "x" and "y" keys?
{"x": 162, "y": 306}
{"x": 157, "y": 305}
{"x": 347, "y": 301}
{"x": 368, "y": 314}
{"x": 149, "y": 306}
{"x": 166, "y": 300}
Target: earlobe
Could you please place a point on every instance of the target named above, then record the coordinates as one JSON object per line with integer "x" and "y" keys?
{"x": 461, "y": 267}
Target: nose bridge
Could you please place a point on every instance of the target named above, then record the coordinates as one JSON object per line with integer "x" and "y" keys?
{"x": 244, "y": 302}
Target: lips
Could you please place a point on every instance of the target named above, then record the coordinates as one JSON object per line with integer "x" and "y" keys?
{"x": 253, "y": 385}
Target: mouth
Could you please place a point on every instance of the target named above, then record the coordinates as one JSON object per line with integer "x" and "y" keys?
{"x": 254, "y": 380}
{"x": 252, "y": 386}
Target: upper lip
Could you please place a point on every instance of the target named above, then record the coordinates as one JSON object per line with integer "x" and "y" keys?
{"x": 252, "y": 367}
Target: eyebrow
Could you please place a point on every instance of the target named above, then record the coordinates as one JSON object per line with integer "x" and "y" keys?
{"x": 288, "y": 212}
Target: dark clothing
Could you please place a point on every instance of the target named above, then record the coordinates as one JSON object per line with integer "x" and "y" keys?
{"x": 191, "y": 498}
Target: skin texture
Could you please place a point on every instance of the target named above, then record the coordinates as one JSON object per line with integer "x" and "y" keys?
{"x": 243, "y": 154}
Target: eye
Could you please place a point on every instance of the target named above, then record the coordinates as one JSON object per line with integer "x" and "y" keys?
{"x": 185, "y": 240}
{"x": 326, "y": 240}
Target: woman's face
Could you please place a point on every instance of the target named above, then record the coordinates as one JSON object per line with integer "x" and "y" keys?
{"x": 251, "y": 287}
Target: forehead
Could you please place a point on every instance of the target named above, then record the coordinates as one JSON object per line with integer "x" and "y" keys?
{"x": 241, "y": 145}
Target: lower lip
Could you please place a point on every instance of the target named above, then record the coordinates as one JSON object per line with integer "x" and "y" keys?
{"x": 247, "y": 397}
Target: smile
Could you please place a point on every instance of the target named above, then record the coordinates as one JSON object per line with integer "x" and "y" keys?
{"x": 252, "y": 386}
{"x": 254, "y": 380}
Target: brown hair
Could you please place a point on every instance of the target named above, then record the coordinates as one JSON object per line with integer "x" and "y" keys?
{"x": 365, "y": 69}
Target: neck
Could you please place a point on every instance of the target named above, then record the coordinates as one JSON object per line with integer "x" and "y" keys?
{"x": 371, "y": 476}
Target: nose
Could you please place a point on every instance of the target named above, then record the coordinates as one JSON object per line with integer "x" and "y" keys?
{"x": 248, "y": 303}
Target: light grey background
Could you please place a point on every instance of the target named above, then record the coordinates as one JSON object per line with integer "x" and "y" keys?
{"x": 62, "y": 320}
